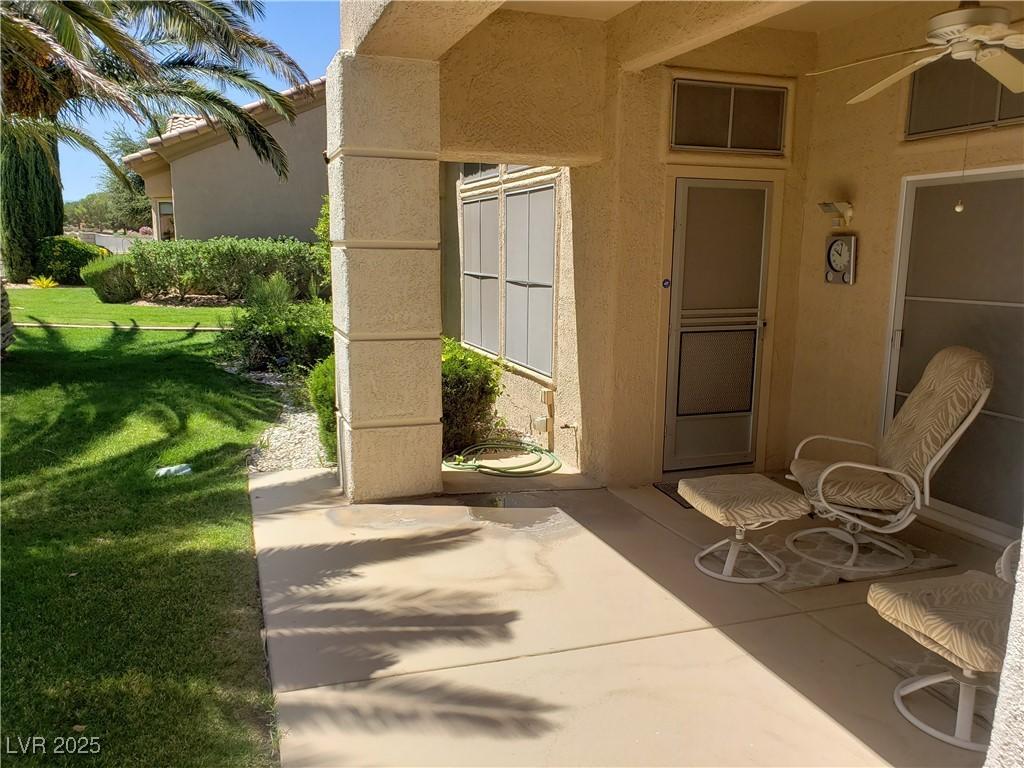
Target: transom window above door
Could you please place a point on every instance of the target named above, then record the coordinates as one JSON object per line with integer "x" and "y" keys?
{"x": 729, "y": 117}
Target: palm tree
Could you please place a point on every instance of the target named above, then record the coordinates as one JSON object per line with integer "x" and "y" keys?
{"x": 63, "y": 59}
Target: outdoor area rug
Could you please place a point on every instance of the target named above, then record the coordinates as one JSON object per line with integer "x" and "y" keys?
{"x": 803, "y": 574}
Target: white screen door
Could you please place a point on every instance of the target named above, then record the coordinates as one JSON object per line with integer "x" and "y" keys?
{"x": 718, "y": 263}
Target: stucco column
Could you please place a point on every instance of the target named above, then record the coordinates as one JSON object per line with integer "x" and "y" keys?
{"x": 383, "y": 138}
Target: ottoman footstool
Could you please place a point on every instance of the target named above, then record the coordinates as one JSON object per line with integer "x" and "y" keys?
{"x": 744, "y": 503}
{"x": 963, "y": 618}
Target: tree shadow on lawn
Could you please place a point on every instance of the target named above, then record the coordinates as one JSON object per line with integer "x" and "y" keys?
{"x": 130, "y": 602}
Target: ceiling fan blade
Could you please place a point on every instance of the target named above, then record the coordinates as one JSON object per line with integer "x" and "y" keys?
{"x": 873, "y": 58}
{"x": 896, "y": 76}
{"x": 1003, "y": 66}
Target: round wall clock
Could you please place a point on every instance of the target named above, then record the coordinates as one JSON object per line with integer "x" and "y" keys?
{"x": 840, "y": 259}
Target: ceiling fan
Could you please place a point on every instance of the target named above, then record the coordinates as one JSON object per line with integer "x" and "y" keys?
{"x": 972, "y": 32}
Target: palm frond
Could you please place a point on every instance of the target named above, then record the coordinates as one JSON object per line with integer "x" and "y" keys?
{"x": 25, "y": 131}
{"x": 24, "y": 40}
{"x": 174, "y": 95}
{"x": 227, "y": 74}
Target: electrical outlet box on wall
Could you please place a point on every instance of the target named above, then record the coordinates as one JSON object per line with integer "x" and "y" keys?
{"x": 541, "y": 424}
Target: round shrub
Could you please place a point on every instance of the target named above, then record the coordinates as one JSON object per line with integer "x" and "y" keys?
{"x": 111, "y": 278}
{"x": 320, "y": 384}
{"x": 275, "y": 331}
{"x": 470, "y": 385}
{"x": 62, "y": 258}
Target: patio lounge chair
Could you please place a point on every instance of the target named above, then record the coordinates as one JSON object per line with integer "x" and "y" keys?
{"x": 965, "y": 619}
{"x": 870, "y": 501}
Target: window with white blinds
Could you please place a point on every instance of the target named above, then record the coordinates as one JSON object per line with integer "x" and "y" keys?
{"x": 529, "y": 277}
{"x": 480, "y": 273}
{"x": 508, "y": 269}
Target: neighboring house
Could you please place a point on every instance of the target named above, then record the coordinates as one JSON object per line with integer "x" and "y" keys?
{"x": 201, "y": 185}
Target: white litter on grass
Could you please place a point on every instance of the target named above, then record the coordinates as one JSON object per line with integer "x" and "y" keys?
{"x": 177, "y": 469}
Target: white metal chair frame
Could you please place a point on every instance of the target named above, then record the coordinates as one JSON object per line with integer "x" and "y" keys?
{"x": 968, "y": 680}
{"x": 737, "y": 543}
{"x": 855, "y": 522}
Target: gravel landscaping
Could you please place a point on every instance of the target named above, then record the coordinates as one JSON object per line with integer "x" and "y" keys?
{"x": 293, "y": 441}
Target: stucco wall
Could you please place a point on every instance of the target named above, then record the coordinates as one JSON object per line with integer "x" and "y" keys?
{"x": 524, "y": 88}
{"x": 224, "y": 190}
{"x": 857, "y": 153}
{"x": 508, "y": 92}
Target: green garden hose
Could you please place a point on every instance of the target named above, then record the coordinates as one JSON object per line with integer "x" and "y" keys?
{"x": 540, "y": 462}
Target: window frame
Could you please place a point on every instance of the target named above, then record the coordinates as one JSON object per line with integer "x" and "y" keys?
{"x": 732, "y": 85}
{"x": 994, "y": 123}
{"x": 480, "y": 275}
{"x": 522, "y": 179}
{"x": 528, "y": 283}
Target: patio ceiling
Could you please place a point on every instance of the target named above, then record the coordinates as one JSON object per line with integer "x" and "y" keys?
{"x": 602, "y": 10}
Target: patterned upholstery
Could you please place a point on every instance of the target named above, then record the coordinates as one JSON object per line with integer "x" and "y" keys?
{"x": 949, "y": 388}
{"x": 852, "y": 486}
{"x": 742, "y": 500}
{"x": 963, "y": 618}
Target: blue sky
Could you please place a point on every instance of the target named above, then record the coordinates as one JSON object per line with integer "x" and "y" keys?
{"x": 306, "y": 29}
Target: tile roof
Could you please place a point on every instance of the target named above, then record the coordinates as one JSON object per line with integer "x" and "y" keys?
{"x": 185, "y": 127}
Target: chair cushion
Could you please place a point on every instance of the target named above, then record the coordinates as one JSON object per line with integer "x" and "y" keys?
{"x": 951, "y": 385}
{"x": 742, "y": 500}
{"x": 963, "y": 618}
{"x": 852, "y": 486}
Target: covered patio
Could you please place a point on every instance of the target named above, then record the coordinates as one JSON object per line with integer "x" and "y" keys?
{"x": 693, "y": 234}
{"x": 569, "y": 628}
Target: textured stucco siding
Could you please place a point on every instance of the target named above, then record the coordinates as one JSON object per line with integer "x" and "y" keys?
{"x": 224, "y": 190}
{"x": 858, "y": 153}
{"x": 524, "y": 88}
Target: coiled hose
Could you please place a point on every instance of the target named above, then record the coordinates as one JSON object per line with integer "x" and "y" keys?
{"x": 539, "y": 462}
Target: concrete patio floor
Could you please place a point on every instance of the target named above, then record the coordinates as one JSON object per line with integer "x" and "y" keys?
{"x": 564, "y": 627}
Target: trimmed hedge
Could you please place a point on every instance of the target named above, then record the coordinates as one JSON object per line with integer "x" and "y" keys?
{"x": 62, "y": 258}
{"x": 470, "y": 386}
{"x": 111, "y": 278}
{"x": 224, "y": 265}
{"x": 320, "y": 385}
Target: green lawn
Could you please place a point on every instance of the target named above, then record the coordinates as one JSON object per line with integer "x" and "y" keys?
{"x": 80, "y": 305}
{"x": 130, "y": 604}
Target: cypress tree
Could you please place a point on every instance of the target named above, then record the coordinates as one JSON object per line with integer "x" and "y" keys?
{"x": 31, "y": 205}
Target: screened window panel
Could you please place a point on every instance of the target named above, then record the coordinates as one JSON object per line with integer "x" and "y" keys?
{"x": 983, "y": 472}
{"x": 716, "y": 372}
{"x": 489, "y": 314}
{"x": 993, "y": 331}
{"x": 517, "y": 236}
{"x": 166, "y": 209}
{"x": 514, "y": 168}
{"x": 471, "y": 310}
{"x": 542, "y": 236}
{"x": 722, "y": 261}
{"x": 1011, "y": 105}
{"x": 473, "y": 171}
{"x": 757, "y": 118}
{"x": 489, "y": 237}
{"x": 516, "y": 322}
{"x": 471, "y": 236}
{"x": 701, "y": 115}
{"x": 539, "y": 332}
{"x": 950, "y": 94}
{"x": 974, "y": 254}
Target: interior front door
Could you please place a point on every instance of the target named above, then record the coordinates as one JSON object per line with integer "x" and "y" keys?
{"x": 718, "y": 267}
